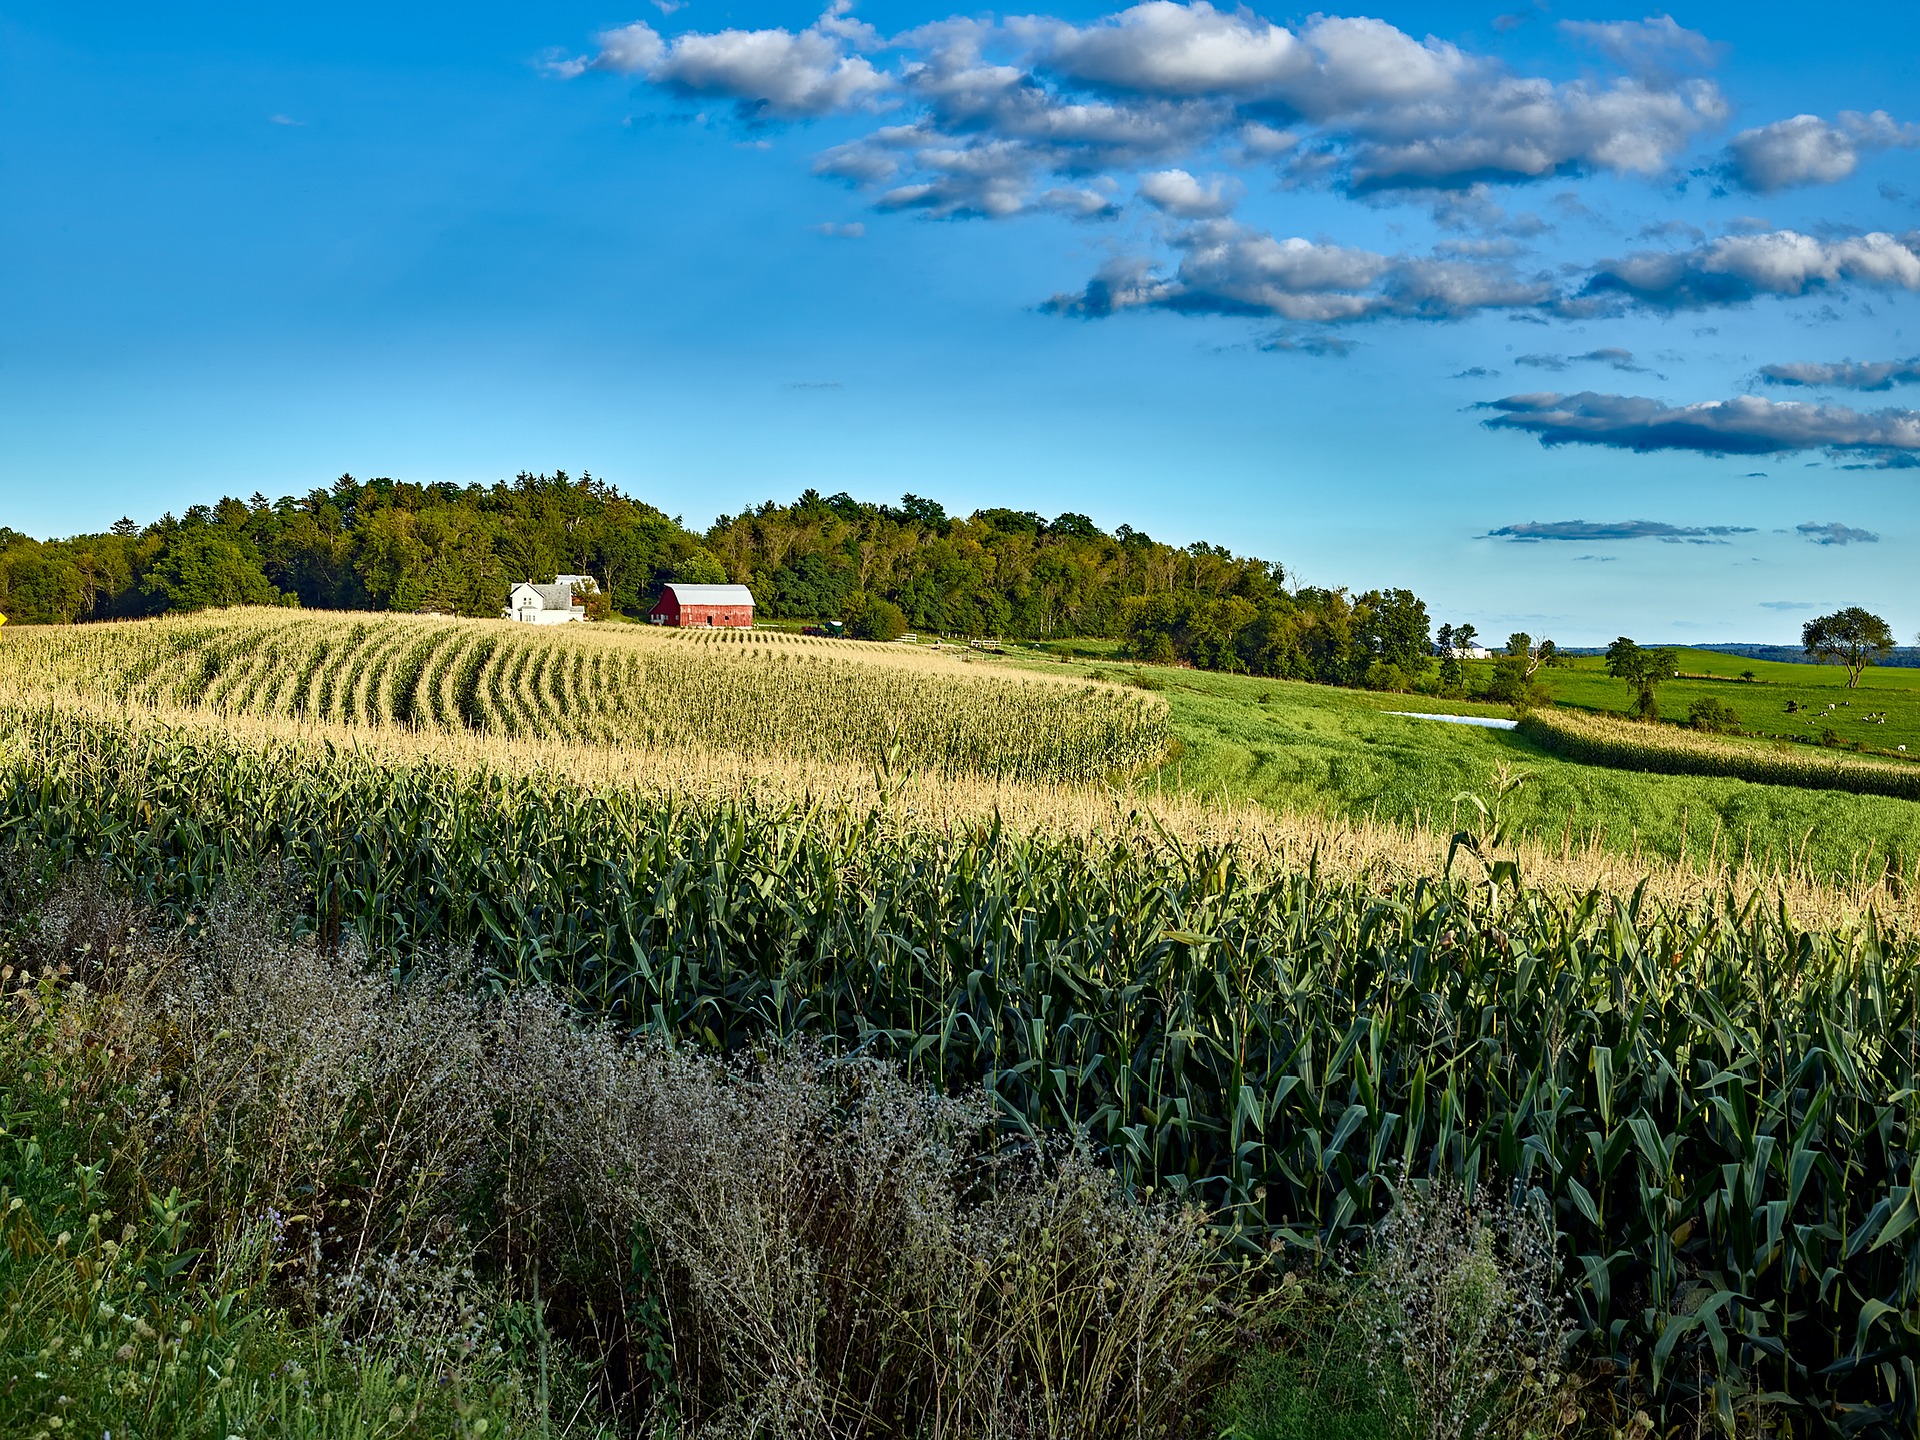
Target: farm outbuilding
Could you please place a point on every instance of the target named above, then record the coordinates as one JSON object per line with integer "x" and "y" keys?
{"x": 704, "y": 605}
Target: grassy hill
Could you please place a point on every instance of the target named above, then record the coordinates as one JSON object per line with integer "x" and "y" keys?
{"x": 1296, "y": 746}
{"x": 1819, "y": 693}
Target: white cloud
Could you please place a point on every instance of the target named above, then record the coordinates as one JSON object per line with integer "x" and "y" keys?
{"x": 1807, "y": 150}
{"x": 1363, "y": 104}
{"x": 1398, "y": 111}
{"x": 1178, "y": 193}
{"x": 1231, "y": 269}
{"x": 1736, "y": 268}
{"x": 990, "y": 180}
{"x": 779, "y": 74}
{"x": 1162, "y": 48}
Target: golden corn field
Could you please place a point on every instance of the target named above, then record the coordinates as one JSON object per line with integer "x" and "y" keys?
{"x": 1667, "y": 750}
{"x": 750, "y": 692}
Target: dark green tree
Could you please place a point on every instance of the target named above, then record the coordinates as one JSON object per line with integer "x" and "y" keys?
{"x": 872, "y": 617}
{"x": 700, "y": 567}
{"x": 206, "y": 566}
{"x": 1643, "y": 669}
{"x": 1391, "y": 627}
{"x": 1852, "y": 637}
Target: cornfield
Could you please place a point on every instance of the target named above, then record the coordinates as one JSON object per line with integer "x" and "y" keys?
{"x": 752, "y": 692}
{"x": 1718, "y": 1103}
{"x": 1661, "y": 749}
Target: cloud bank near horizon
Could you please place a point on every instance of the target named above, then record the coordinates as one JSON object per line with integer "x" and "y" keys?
{"x": 1584, "y": 530}
{"x": 1744, "y": 425}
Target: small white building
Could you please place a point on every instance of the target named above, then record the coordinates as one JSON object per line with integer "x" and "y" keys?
{"x": 555, "y": 604}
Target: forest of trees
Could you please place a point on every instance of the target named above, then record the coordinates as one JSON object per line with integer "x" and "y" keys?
{"x": 387, "y": 545}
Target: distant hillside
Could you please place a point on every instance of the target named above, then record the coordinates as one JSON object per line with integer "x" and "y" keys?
{"x": 1906, "y": 658}
{"x": 453, "y": 549}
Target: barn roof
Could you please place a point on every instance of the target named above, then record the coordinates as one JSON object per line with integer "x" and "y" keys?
{"x": 709, "y": 594}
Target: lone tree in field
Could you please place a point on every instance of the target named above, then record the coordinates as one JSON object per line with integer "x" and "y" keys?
{"x": 1643, "y": 669}
{"x": 1513, "y": 672}
{"x": 1851, "y": 637}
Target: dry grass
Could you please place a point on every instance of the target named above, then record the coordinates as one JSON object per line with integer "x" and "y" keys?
{"x": 781, "y": 1245}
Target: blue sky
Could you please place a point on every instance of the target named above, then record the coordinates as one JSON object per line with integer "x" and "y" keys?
{"x": 1261, "y": 278}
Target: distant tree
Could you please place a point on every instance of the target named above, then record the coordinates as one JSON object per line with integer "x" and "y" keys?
{"x": 1851, "y": 637}
{"x": 701, "y": 567}
{"x": 124, "y": 526}
{"x": 1448, "y": 648}
{"x": 1391, "y": 626}
{"x": 1712, "y": 715}
{"x": 871, "y": 617}
{"x": 1513, "y": 672}
{"x": 1643, "y": 669}
{"x": 40, "y": 585}
{"x": 1079, "y": 527}
{"x": 206, "y": 566}
{"x": 598, "y": 602}
{"x": 929, "y": 513}
{"x": 1521, "y": 647}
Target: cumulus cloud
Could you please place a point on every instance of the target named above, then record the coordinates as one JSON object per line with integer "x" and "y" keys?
{"x": 1585, "y": 530}
{"x": 1476, "y": 372}
{"x": 1163, "y": 48}
{"x": 1836, "y": 534}
{"x": 1349, "y": 101}
{"x": 1846, "y": 374}
{"x": 1231, "y": 269}
{"x": 1395, "y": 111}
{"x": 1177, "y": 193}
{"x": 1807, "y": 150}
{"x": 769, "y": 74}
{"x": 1788, "y": 605}
{"x": 1746, "y": 425}
{"x": 1736, "y": 268}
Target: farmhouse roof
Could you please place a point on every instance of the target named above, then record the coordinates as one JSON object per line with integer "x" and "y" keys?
{"x": 710, "y": 594}
{"x": 553, "y": 597}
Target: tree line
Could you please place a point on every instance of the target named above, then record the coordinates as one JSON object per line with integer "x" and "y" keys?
{"x": 388, "y": 545}
{"x": 455, "y": 549}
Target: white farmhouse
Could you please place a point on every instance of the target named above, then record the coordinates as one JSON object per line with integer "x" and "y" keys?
{"x": 555, "y": 604}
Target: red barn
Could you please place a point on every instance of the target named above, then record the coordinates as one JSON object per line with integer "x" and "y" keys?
{"x": 704, "y": 605}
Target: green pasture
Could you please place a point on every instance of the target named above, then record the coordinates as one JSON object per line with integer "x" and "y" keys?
{"x": 1819, "y": 691}
{"x": 1298, "y": 746}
